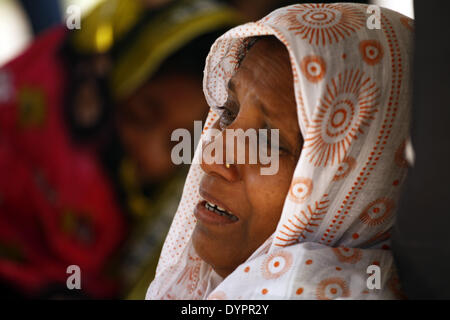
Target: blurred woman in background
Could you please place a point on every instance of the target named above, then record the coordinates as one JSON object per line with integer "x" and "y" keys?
{"x": 86, "y": 115}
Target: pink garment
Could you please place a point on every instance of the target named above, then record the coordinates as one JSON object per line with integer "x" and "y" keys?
{"x": 57, "y": 206}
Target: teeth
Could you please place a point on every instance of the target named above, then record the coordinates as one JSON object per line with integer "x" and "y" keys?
{"x": 220, "y": 211}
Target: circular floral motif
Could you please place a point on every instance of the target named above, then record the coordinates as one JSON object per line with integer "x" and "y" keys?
{"x": 313, "y": 67}
{"x": 345, "y": 167}
{"x": 276, "y": 264}
{"x": 323, "y": 24}
{"x": 377, "y": 211}
{"x": 348, "y": 255}
{"x": 371, "y": 51}
{"x": 347, "y": 106}
{"x": 301, "y": 189}
{"x": 332, "y": 288}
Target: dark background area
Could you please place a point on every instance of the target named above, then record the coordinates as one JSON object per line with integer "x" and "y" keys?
{"x": 421, "y": 241}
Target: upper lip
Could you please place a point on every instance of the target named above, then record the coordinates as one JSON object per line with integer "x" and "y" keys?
{"x": 205, "y": 195}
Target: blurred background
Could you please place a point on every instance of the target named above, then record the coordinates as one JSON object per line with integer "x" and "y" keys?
{"x": 85, "y": 121}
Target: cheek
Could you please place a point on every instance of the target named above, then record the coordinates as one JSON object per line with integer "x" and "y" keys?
{"x": 267, "y": 194}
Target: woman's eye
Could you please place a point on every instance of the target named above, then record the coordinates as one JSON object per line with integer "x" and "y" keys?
{"x": 226, "y": 118}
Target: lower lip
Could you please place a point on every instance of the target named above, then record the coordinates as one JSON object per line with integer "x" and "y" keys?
{"x": 209, "y": 217}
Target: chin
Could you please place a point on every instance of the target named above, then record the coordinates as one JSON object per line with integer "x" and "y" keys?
{"x": 198, "y": 241}
{"x": 213, "y": 255}
{"x": 202, "y": 246}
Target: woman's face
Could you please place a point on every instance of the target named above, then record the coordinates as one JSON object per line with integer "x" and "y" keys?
{"x": 146, "y": 121}
{"x": 260, "y": 96}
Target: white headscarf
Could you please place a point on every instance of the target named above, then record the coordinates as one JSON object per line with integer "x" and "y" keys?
{"x": 352, "y": 89}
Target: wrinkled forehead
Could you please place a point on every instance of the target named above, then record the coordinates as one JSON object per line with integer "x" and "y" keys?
{"x": 266, "y": 64}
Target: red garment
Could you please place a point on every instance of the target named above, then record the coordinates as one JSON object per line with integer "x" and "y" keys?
{"x": 57, "y": 207}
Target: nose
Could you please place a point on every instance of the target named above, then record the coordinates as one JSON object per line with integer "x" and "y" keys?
{"x": 216, "y": 164}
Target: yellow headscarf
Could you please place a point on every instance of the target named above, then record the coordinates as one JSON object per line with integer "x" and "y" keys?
{"x": 145, "y": 37}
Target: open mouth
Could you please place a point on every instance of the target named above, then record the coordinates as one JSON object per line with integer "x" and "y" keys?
{"x": 219, "y": 211}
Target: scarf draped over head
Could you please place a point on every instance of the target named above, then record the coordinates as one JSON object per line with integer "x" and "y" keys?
{"x": 352, "y": 89}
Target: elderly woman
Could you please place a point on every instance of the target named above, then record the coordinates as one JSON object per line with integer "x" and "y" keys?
{"x": 339, "y": 93}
